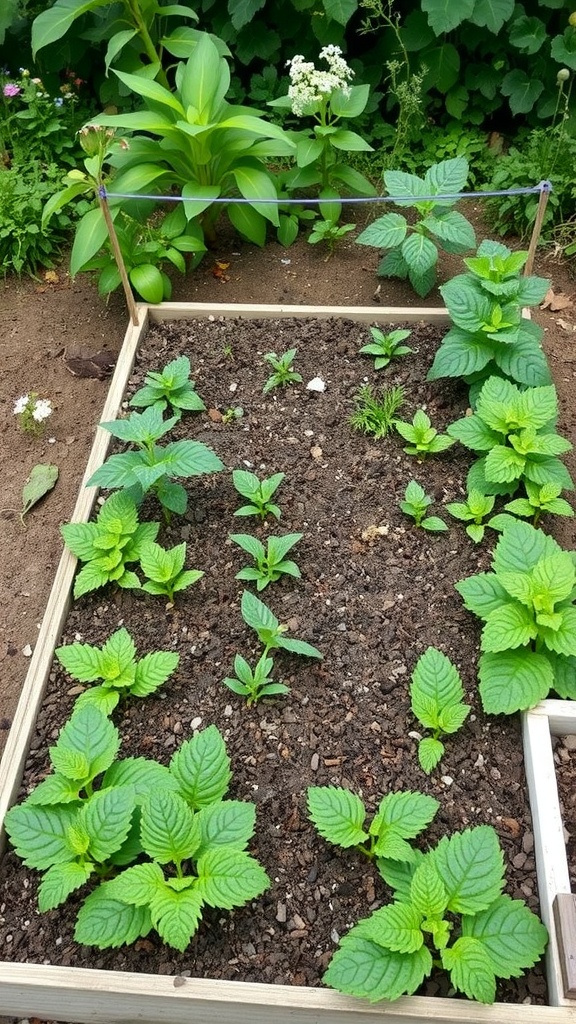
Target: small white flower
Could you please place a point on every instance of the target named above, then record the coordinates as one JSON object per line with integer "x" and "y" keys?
{"x": 21, "y": 404}
{"x": 42, "y": 410}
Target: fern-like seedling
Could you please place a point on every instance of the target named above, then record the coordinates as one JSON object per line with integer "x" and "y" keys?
{"x": 437, "y": 702}
{"x": 375, "y": 414}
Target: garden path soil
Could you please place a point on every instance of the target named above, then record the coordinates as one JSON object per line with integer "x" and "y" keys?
{"x": 360, "y": 689}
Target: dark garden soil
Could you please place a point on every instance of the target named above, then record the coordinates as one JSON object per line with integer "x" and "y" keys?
{"x": 374, "y": 593}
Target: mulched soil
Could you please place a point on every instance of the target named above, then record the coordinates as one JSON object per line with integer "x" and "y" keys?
{"x": 371, "y": 600}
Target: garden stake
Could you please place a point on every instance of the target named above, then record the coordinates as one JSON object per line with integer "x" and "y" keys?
{"x": 119, "y": 260}
{"x": 545, "y": 189}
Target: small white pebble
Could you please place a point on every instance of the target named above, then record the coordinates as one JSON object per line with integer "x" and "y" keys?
{"x": 233, "y": 387}
{"x": 27, "y": 651}
{"x": 447, "y": 780}
{"x": 195, "y": 723}
{"x": 316, "y": 384}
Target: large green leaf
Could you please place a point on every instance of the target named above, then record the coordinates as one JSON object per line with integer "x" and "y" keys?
{"x": 448, "y": 176}
{"x": 482, "y": 593}
{"x": 452, "y": 227}
{"x": 435, "y": 685}
{"x": 350, "y": 104}
{"x": 404, "y": 187}
{"x": 442, "y": 65}
{"x": 471, "y": 969}
{"x": 106, "y": 817}
{"x": 420, "y": 253}
{"x": 471, "y": 866}
{"x": 248, "y": 222}
{"x": 40, "y": 834}
{"x": 52, "y": 24}
{"x": 492, "y": 14}
{"x": 89, "y": 735}
{"x": 460, "y": 354}
{"x": 528, "y": 34}
{"x": 338, "y": 815}
{"x": 408, "y": 813}
{"x": 205, "y": 80}
{"x": 151, "y": 90}
{"x": 512, "y": 935}
{"x": 230, "y": 878}
{"x": 362, "y": 968}
{"x": 254, "y": 183}
{"x": 386, "y": 232}
{"x": 522, "y": 90}
{"x": 59, "y": 881}
{"x": 202, "y": 768}
{"x": 563, "y": 48}
{"x": 90, "y": 236}
{"x": 396, "y": 927}
{"x": 148, "y": 282}
{"x": 243, "y": 11}
{"x": 107, "y": 923}
{"x": 445, "y": 15}
{"x": 513, "y": 681}
{"x": 225, "y": 823}
{"x": 521, "y": 546}
{"x": 168, "y": 831}
{"x": 176, "y": 915}
{"x": 508, "y": 627}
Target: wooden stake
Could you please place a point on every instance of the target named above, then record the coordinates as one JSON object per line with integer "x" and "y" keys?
{"x": 545, "y": 189}
{"x": 132, "y": 308}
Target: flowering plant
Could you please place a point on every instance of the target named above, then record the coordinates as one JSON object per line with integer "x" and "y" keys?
{"x": 32, "y": 411}
{"x": 327, "y": 96}
{"x": 35, "y": 124}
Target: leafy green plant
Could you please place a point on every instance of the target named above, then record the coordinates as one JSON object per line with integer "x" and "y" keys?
{"x": 209, "y": 149}
{"x": 490, "y": 335}
{"x": 527, "y": 605}
{"x": 258, "y": 492}
{"x": 271, "y": 561}
{"x": 449, "y": 898}
{"x": 270, "y": 632}
{"x": 423, "y": 438}
{"x": 329, "y": 232}
{"x": 37, "y": 128}
{"x": 416, "y": 504}
{"x": 516, "y": 429}
{"x": 25, "y": 244}
{"x": 175, "y": 816}
{"x": 413, "y": 248}
{"x": 164, "y": 570}
{"x": 472, "y": 511}
{"x": 283, "y": 370}
{"x": 152, "y": 467}
{"x": 339, "y": 815}
{"x": 254, "y": 683}
{"x": 437, "y": 701}
{"x": 115, "y": 663}
{"x": 540, "y": 500}
{"x": 385, "y": 347}
{"x": 327, "y": 97}
{"x": 374, "y": 414}
{"x": 171, "y": 387}
{"x": 109, "y": 545}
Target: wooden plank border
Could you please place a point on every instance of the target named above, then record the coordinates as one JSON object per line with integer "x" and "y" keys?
{"x": 110, "y": 997}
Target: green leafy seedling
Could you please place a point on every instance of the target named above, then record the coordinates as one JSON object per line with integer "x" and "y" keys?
{"x": 340, "y": 816}
{"x": 437, "y": 697}
{"x": 270, "y": 632}
{"x": 416, "y": 504}
{"x": 385, "y": 347}
{"x": 423, "y": 438}
{"x": 258, "y": 492}
{"x": 172, "y": 387}
{"x": 254, "y": 683}
{"x": 375, "y": 414}
{"x": 472, "y": 511}
{"x": 330, "y": 232}
{"x": 115, "y": 663}
{"x": 165, "y": 570}
{"x": 271, "y": 561}
{"x": 528, "y": 606}
{"x": 516, "y": 429}
{"x": 539, "y": 501}
{"x": 108, "y": 545}
{"x": 283, "y": 371}
{"x": 151, "y": 466}
{"x": 448, "y": 910}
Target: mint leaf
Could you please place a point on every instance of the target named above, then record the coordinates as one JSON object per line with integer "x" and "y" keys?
{"x": 513, "y": 680}
{"x": 89, "y": 738}
{"x": 362, "y": 968}
{"x": 229, "y": 878}
{"x": 40, "y": 834}
{"x": 338, "y": 815}
{"x": 427, "y": 892}
{"x": 142, "y": 775}
{"x": 59, "y": 881}
{"x": 471, "y": 866}
{"x": 408, "y": 813}
{"x": 55, "y": 789}
{"x": 482, "y": 593}
{"x": 430, "y": 752}
{"x": 396, "y": 927}
{"x": 176, "y": 915}
{"x": 168, "y": 831}
{"x": 509, "y": 627}
{"x": 137, "y": 885}
{"x": 471, "y": 969}
{"x": 152, "y": 670}
{"x": 202, "y": 768}
{"x": 108, "y": 923}
{"x": 510, "y": 933}
{"x": 225, "y": 823}
{"x": 435, "y": 683}
{"x": 106, "y": 816}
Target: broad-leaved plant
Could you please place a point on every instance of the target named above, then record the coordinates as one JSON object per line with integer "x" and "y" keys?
{"x": 270, "y": 632}
{"x": 437, "y": 701}
{"x": 385, "y": 347}
{"x": 271, "y": 561}
{"x": 284, "y": 372}
{"x": 258, "y": 492}
{"x": 423, "y": 438}
{"x": 164, "y": 570}
{"x": 254, "y": 683}
{"x": 539, "y": 501}
{"x": 472, "y": 511}
{"x": 171, "y": 387}
{"x": 416, "y": 504}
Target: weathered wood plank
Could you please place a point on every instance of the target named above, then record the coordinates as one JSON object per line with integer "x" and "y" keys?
{"x": 364, "y": 314}
{"x": 565, "y": 922}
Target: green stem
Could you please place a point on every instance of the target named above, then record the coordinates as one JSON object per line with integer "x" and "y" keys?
{"x": 149, "y": 48}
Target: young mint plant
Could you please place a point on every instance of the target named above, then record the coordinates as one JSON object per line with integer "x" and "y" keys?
{"x": 258, "y": 492}
{"x": 330, "y": 232}
{"x": 340, "y": 817}
{"x": 271, "y": 561}
{"x": 540, "y": 501}
{"x": 385, "y": 347}
{"x": 254, "y": 683}
{"x": 472, "y": 511}
{"x": 527, "y": 604}
{"x": 115, "y": 663}
{"x": 490, "y": 336}
{"x": 283, "y": 371}
{"x": 413, "y": 248}
{"x": 516, "y": 429}
{"x": 165, "y": 570}
{"x": 151, "y": 466}
{"x": 416, "y": 504}
{"x": 109, "y": 544}
{"x": 423, "y": 438}
{"x": 172, "y": 387}
{"x": 270, "y": 632}
{"x": 437, "y": 697}
{"x": 375, "y": 414}
{"x": 448, "y": 908}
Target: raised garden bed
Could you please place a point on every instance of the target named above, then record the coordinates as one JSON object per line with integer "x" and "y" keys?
{"x": 375, "y": 592}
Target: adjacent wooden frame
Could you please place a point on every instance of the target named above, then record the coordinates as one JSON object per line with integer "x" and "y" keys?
{"x": 111, "y": 997}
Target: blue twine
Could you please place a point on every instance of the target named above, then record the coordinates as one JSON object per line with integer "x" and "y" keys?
{"x": 543, "y": 186}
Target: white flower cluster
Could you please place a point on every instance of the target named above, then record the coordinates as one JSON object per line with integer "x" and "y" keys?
{"x": 39, "y": 408}
{"x": 310, "y": 87}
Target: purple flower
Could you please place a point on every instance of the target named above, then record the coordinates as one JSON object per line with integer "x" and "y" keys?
{"x": 11, "y": 89}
